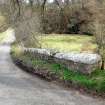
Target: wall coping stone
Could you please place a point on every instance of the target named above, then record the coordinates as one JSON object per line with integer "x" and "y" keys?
{"x": 85, "y": 58}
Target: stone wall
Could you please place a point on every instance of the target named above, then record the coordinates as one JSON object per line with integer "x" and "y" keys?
{"x": 81, "y": 62}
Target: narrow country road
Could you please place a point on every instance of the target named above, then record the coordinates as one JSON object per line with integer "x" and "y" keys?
{"x": 20, "y": 88}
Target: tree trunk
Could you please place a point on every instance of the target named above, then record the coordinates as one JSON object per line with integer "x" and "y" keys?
{"x": 103, "y": 65}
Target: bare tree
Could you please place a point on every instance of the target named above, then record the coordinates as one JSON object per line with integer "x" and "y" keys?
{"x": 99, "y": 29}
{"x": 100, "y": 40}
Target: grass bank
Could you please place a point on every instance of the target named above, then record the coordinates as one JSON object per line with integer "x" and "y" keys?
{"x": 94, "y": 82}
{"x": 67, "y": 43}
{"x": 2, "y": 36}
{"x": 6, "y": 36}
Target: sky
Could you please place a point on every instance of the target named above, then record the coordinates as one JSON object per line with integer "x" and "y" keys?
{"x": 50, "y": 1}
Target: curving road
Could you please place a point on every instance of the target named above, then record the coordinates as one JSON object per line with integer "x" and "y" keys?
{"x": 19, "y": 88}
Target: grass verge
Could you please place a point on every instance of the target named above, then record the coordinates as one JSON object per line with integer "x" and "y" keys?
{"x": 2, "y": 36}
{"x": 7, "y": 35}
{"x": 94, "y": 82}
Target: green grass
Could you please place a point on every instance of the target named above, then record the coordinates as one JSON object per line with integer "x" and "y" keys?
{"x": 2, "y": 20}
{"x": 95, "y": 81}
{"x": 67, "y": 43}
{"x": 2, "y": 36}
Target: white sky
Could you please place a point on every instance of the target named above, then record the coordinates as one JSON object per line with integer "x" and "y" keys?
{"x": 27, "y": 1}
{"x": 53, "y": 0}
{"x": 50, "y": 1}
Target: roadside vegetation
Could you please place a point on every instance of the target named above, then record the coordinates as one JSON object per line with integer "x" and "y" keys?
{"x": 7, "y": 35}
{"x": 93, "y": 82}
{"x": 2, "y": 36}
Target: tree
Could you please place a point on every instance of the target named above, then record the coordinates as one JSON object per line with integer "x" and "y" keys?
{"x": 25, "y": 19}
{"x": 100, "y": 40}
{"x": 99, "y": 29}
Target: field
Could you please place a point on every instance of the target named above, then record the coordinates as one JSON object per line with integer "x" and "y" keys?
{"x": 67, "y": 43}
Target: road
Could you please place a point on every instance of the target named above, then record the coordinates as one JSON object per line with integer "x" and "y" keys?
{"x": 20, "y": 88}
